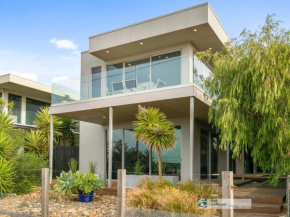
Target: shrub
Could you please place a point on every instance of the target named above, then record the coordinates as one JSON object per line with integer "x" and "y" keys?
{"x": 93, "y": 167}
{"x": 138, "y": 168}
{"x": 165, "y": 196}
{"x": 6, "y": 145}
{"x": 28, "y": 172}
{"x": 36, "y": 142}
{"x": 6, "y": 176}
{"x": 73, "y": 165}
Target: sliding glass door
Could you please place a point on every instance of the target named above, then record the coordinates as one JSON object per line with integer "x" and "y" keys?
{"x": 208, "y": 155}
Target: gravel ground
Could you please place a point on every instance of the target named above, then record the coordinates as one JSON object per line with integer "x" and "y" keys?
{"x": 29, "y": 205}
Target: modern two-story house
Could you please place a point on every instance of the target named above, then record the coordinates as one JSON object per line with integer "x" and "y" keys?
{"x": 151, "y": 63}
{"x": 27, "y": 95}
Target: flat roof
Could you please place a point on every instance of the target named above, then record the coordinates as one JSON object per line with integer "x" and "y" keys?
{"x": 16, "y": 84}
{"x": 198, "y": 25}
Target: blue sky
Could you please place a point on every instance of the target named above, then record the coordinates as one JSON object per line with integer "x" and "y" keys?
{"x": 41, "y": 40}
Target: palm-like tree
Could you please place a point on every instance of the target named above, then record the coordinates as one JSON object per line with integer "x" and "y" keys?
{"x": 152, "y": 128}
{"x": 42, "y": 120}
{"x": 36, "y": 142}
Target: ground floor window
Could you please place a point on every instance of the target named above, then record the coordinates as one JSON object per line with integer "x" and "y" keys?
{"x": 209, "y": 148}
{"x": 127, "y": 152}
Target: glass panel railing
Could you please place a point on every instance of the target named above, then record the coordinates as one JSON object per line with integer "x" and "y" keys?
{"x": 130, "y": 77}
{"x": 200, "y": 72}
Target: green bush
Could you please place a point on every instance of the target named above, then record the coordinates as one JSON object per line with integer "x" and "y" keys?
{"x": 6, "y": 176}
{"x": 28, "y": 172}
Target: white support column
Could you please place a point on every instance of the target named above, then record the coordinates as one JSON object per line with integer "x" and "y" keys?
{"x": 110, "y": 147}
{"x": 191, "y": 139}
{"x": 123, "y": 149}
{"x": 51, "y": 149}
{"x": 228, "y": 156}
{"x": 150, "y": 164}
{"x": 243, "y": 163}
{"x": 23, "y": 110}
{"x": 209, "y": 155}
{"x": 5, "y": 99}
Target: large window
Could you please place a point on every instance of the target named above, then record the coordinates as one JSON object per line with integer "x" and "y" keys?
{"x": 138, "y": 71}
{"x": 170, "y": 159}
{"x": 115, "y": 78}
{"x": 135, "y": 151}
{"x": 117, "y": 152}
{"x": 32, "y": 107}
{"x": 16, "y": 110}
{"x": 96, "y": 82}
{"x": 166, "y": 69}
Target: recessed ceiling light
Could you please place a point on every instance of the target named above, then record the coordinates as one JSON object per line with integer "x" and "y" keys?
{"x": 210, "y": 48}
{"x": 195, "y": 30}
{"x": 107, "y": 51}
{"x": 104, "y": 116}
{"x": 141, "y": 43}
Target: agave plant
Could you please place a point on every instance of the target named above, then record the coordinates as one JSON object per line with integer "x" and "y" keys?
{"x": 93, "y": 167}
{"x": 6, "y": 176}
{"x": 66, "y": 184}
{"x": 36, "y": 142}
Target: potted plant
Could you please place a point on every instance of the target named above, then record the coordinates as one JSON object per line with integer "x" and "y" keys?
{"x": 86, "y": 184}
{"x": 83, "y": 184}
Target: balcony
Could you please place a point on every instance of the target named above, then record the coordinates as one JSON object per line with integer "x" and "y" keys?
{"x": 126, "y": 78}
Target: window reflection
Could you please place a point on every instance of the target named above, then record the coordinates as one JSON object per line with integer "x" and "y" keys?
{"x": 166, "y": 69}
{"x": 96, "y": 82}
{"x": 16, "y": 110}
{"x": 115, "y": 79}
{"x": 170, "y": 159}
{"x": 32, "y": 107}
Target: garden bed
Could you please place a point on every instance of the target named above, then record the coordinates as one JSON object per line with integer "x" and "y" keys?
{"x": 29, "y": 204}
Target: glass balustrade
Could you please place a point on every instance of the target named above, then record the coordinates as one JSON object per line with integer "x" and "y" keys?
{"x": 152, "y": 73}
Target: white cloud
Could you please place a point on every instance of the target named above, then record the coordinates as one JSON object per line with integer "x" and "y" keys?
{"x": 29, "y": 76}
{"x": 41, "y": 67}
{"x": 64, "y": 44}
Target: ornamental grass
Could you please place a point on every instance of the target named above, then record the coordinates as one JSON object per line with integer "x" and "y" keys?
{"x": 178, "y": 198}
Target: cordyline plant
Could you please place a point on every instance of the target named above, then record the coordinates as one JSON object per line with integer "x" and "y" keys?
{"x": 250, "y": 92}
{"x": 152, "y": 128}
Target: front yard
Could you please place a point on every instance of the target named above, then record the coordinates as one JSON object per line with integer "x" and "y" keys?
{"x": 30, "y": 204}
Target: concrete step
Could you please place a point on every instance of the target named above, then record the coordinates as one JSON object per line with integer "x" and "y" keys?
{"x": 262, "y": 208}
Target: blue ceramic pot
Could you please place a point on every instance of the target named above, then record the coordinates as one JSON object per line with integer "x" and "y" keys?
{"x": 85, "y": 198}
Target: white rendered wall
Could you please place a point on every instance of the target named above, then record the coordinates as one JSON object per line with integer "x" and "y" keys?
{"x": 92, "y": 148}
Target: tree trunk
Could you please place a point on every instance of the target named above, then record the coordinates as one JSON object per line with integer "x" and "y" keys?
{"x": 159, "y": 164}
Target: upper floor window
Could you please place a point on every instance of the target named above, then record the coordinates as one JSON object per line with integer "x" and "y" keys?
{"x": 16, "y": 110}
{"x": 96, "y": 82}
{"x": 149, "y": 73}
{"x": 32, "y": 107}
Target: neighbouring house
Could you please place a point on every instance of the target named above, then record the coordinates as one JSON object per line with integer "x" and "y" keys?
{"x": 27, "y": 95}
{"x": 150, "y": 63}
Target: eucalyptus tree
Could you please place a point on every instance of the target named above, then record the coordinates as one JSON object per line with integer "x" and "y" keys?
{"x": 153, "y": 128}
{"x": 250, "y": 92}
